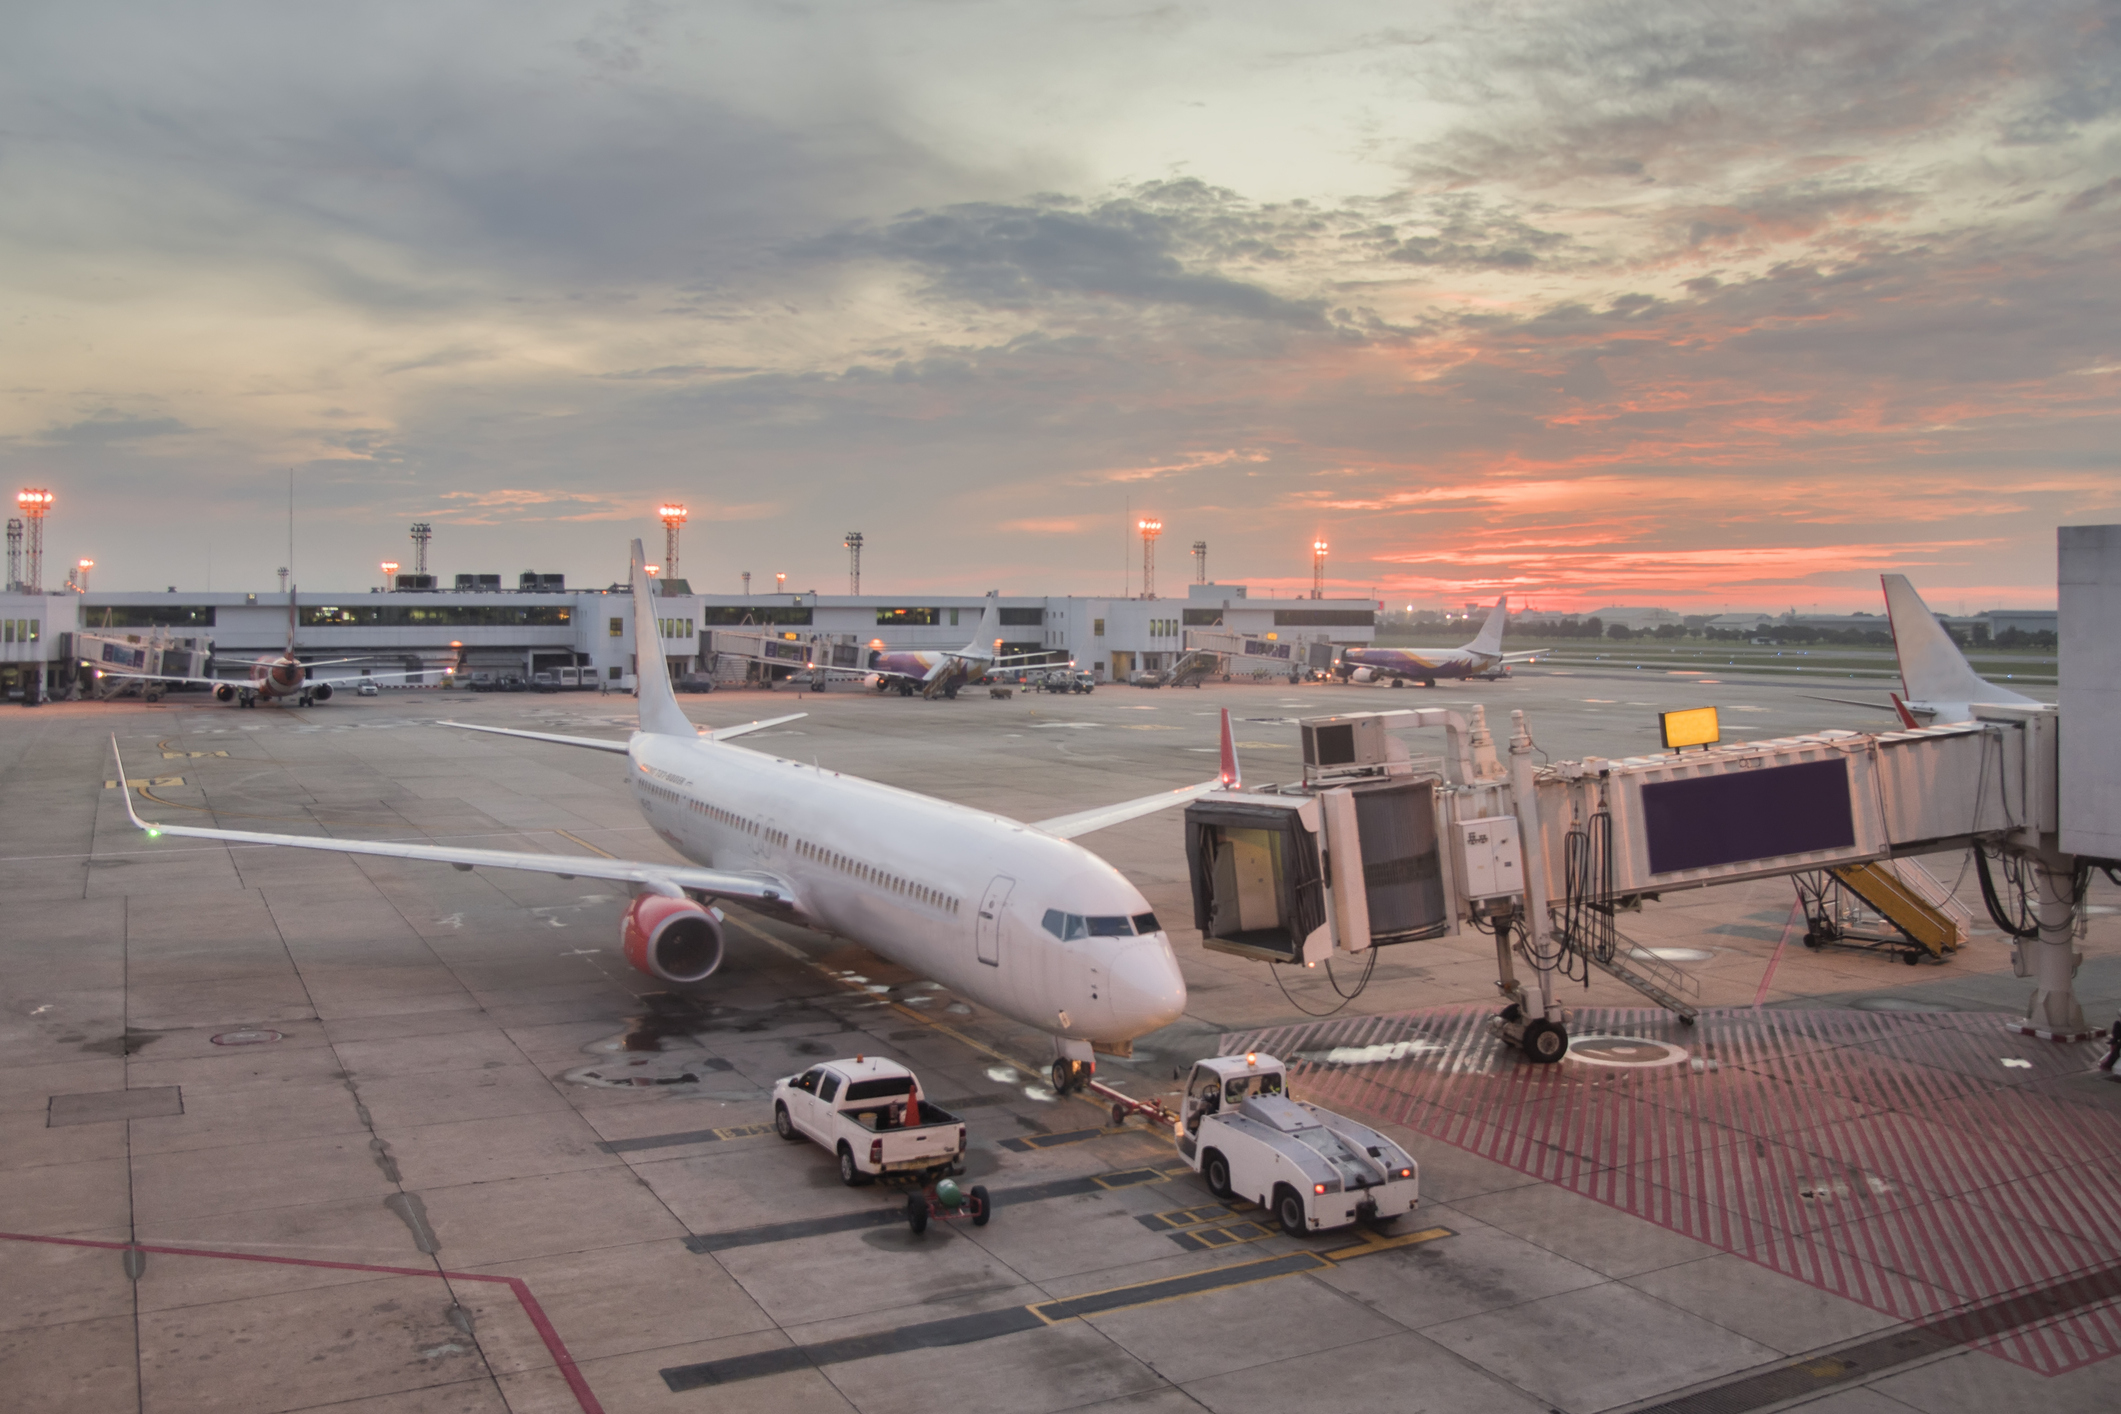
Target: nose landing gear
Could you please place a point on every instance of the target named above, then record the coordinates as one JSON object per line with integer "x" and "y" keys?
{"x": 1070, "y": 1076}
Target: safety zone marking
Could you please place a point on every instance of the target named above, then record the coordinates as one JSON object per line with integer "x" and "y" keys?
{"x": 1010, "y": 1320}
{"x": 143, "y": 782}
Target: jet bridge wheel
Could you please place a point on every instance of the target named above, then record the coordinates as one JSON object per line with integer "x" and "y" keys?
{"x": 1544, "y": 1042}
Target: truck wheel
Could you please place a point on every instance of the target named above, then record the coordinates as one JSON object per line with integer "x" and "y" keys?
{"x": 1216, "y": 1170}
{"x": 982, "y": 1205}
{"x": 916, "y": 1213}
{"x": 850, "y": 1172}
{"x": 1289, "y": 1210}
{"x": 1544, "y": 1042}
{"x": 782, "y": 1124}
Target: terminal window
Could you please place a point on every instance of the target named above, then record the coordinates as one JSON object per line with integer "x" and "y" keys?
{"x": 618, "y": 628}
{"x": 912, "y": 617}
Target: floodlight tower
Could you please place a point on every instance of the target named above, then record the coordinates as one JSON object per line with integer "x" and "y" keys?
{"x": 82, "y": 567}
{"x": 1318, "y": 569}
{"x": 1200, "y": 562}
{"x": 747, "y": 584}
{"x": 1150, "y": 529}
{"x": 34, "y": 502}
{"x": 853, "y": 542}
{"x": 390, "y": 575}
{"x": 14, "y": 555}
{"x": 672, "y": 515}
{"x": 283, "y": 579}
{"x": 422, "y": 532}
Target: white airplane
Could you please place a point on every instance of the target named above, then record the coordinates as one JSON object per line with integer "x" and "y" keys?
{"x": 1481, "y": 658}
{"x": 941, "y": 671}
{"x": 1011, "y": 915}
{"x": 1941, "y": 687}
{"x": 273, "y": 678}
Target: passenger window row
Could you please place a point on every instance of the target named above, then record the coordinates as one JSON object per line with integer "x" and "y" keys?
{"x": 734, "y": 821}
{"x": 1070, "y": 926}
{"x": 882, "y": 878}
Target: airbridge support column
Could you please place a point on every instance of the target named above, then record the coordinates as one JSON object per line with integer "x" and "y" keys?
{"x": 2053, "y": 1012}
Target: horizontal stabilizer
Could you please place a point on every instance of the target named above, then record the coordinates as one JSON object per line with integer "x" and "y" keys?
{"x": 592, "y": 742}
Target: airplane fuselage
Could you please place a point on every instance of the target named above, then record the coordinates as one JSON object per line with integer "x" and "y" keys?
{"x": 1419, "y": 664}
{"x": 956, "y": 894}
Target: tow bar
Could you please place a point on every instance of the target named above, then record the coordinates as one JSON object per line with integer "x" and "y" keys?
{"x": 1157, "y": 1116}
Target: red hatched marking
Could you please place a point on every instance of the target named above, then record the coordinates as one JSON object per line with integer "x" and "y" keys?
{"x": 554, "y": 1346}
{"x": 1889, "y": 1158}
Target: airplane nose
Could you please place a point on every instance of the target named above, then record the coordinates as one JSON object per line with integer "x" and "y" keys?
{"x": 1148, "y": 991}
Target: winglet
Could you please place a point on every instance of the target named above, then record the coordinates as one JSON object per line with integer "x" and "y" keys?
{"x": 1232, "y": 777}
{"x": 125, "y": 788}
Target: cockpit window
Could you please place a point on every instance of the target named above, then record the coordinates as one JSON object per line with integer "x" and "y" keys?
{"x": 1146, "y": 923}
{"x": 1070, "y": 926}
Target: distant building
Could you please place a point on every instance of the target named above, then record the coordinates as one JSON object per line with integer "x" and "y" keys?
{"x": 479, "y": 628}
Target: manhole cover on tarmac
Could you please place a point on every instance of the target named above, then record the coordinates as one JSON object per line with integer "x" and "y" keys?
{"x": 1624, "y": 1052}
{"x": 246, "y": 1038}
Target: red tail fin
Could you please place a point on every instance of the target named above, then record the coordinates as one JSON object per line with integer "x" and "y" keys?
{"x": 1907, "y": 718}
{"x": 1232, "y": 778}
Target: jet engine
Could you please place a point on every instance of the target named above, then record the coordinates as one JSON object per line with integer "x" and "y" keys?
{"x": 224, "y": 692}
{"x": 321, "y": 692}
{"x": 1362, "y": 675}
{"x": 671, "y": 939}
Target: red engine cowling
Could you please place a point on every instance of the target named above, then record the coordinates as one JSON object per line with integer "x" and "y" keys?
{"x": 671, "y": 939}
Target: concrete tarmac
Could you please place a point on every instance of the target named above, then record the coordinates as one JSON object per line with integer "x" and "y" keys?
{"x": 291, "y": 1131}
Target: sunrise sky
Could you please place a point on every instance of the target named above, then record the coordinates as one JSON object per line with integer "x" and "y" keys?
{"x": 1701, "y": 305}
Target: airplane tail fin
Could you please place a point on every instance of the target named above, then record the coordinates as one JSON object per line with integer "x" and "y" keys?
{"x": 1232, "y": 777}
{"x": 1489, "y": 639}
{"x": 1932, "y": 669}
{"x": 990, "y": 628}
{"x": 657, "y": 704}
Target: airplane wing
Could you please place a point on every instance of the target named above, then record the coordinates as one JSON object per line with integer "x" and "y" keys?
{"x": 1531, "y": 656}
{"x": 760, "y": 887}
{"x": 596, "y": 743}
{"x": 1082, "y": 822}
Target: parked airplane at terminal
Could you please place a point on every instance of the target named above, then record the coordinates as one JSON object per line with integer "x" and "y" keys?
{"x": 1942, "y": 688}
{"x": 272, "y": 678}
{"x": 1482, "y": 658}
{"x": 942, "y": 671}
{"x": 1014, "y": 916}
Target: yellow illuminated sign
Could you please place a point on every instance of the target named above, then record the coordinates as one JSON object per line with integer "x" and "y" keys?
{"x": 1696, "y": 726}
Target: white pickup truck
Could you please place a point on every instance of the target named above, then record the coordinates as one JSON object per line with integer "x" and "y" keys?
{"x": 1311, "y": 1168}
{"x": 869, "y": 1112}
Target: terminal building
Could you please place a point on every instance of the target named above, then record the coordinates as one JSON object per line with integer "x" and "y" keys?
{"x": 480, "y": 631}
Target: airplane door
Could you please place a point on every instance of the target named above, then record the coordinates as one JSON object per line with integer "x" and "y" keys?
{"x": 990, "y": 919}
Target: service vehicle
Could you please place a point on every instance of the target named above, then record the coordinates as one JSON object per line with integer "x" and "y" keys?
{"x": 870, "y": 1113}
{"x": 367, "y": 689}
{"x": 1311, "y": 1168}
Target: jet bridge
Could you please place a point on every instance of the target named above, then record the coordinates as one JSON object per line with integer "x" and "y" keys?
{"x": 1376, "y": 847}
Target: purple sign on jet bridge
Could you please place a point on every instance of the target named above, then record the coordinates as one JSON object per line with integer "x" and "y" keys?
{"x": 1706, "y": 821}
